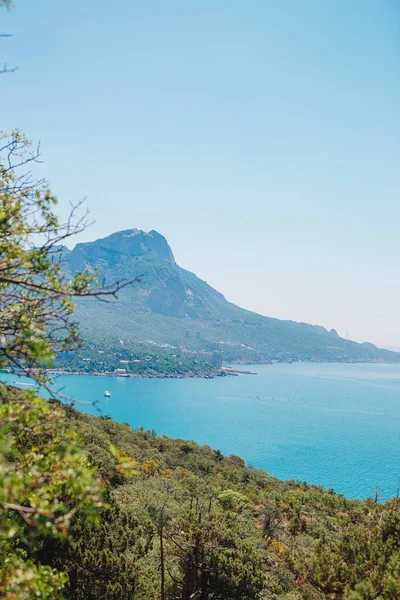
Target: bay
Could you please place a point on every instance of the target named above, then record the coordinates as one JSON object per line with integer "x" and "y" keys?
{"x": 336, "y": 425}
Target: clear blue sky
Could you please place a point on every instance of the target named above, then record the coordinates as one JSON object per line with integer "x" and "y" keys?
{"x": 262, "y": 138}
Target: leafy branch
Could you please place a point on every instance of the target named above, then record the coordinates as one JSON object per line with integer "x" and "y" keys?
{"x": 36, "y": 292}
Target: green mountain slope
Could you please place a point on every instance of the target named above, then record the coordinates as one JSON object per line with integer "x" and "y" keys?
{"x": 181, "y": 521}
{"x": 172, "y": 306}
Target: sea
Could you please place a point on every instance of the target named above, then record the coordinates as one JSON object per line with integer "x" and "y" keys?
{"x": 335, "y": 425}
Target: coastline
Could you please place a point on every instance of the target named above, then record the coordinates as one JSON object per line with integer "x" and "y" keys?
{"x": 223, "y": 372}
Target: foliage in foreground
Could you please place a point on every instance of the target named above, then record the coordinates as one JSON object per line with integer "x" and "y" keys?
{"x": 36, "y": 307}
{"x": 44, "y": 480}
{"x": 178, "y": 520}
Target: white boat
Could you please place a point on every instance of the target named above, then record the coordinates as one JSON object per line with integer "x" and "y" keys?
{"x": 107, "y": 394}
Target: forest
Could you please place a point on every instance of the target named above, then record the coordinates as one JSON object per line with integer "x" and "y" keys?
{"x": 93, "y": 509}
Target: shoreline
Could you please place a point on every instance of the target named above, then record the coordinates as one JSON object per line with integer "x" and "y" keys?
{"x": 223, "y": 372}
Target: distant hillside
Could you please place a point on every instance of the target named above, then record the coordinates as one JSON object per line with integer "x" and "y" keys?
{"x": 172, "y": 306}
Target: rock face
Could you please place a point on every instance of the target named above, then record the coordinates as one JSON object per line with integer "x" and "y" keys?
{"x": 169, "y": 301}
{"x": 110, "y": 251}
{"x": 131, "y": 253}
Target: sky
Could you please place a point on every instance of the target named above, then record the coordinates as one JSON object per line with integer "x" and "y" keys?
{"x": 261, "y": 138}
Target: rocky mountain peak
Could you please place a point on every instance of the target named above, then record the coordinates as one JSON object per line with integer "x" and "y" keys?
{"x": 135, "y": 242}
{"x": 130, "y": 242}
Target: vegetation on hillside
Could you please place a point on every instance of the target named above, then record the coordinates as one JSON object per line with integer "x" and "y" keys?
{"x": 139, "y": 360}
{"x": 178, "y": 520}
{"x": 45, "y": 478}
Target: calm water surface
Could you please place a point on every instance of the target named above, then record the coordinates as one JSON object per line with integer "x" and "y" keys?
{"x": 328, "y": 424}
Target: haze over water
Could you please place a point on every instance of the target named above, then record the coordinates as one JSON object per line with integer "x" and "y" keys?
{"x": 336, "y": 425}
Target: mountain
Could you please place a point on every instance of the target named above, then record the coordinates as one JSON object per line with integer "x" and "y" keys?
{"x": 172, "y": 306}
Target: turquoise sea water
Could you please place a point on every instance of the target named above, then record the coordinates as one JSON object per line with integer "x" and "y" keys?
{"x": 337, "y": 425}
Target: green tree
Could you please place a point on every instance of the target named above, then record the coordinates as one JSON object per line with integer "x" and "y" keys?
{"x": 208, "y": 557}
{"x": 36, "y": 297}
{"x": 101, "y": 556}
{"x": 45, "y": 479}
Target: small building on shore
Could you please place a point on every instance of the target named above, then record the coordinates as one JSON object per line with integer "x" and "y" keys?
{"x": 120, "y": 371}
